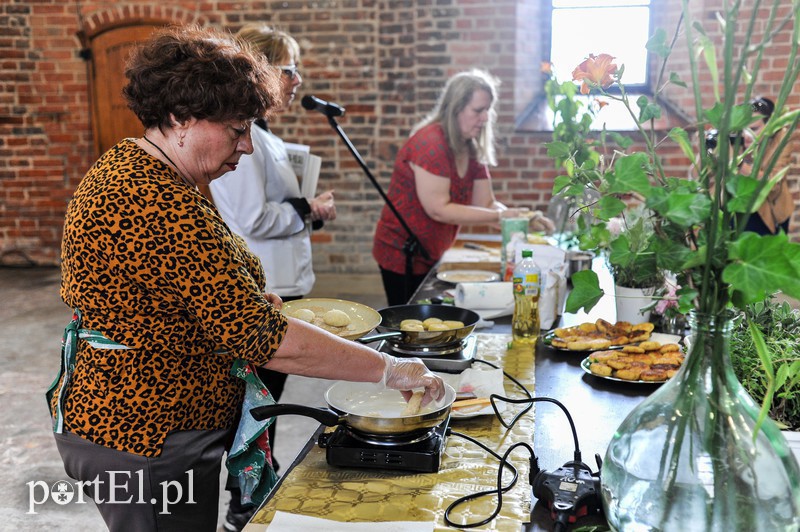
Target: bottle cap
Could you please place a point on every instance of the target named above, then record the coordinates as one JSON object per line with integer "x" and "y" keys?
{"x": 527, "y": 253}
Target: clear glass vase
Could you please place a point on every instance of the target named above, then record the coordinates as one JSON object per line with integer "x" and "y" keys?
{"x": 686, "y": 458}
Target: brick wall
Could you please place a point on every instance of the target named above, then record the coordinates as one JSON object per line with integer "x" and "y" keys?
{"x": 385, "y": 61}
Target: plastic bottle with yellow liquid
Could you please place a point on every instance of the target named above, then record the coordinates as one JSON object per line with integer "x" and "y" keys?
{"x": 527, "y": 280}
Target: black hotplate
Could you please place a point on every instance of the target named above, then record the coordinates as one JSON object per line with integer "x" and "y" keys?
{"x": 419, "y": 452}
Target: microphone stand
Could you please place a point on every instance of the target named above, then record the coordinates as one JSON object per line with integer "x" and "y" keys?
{"x": 412, "y": 245}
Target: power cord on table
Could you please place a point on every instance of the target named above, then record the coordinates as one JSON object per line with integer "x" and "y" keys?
{"x": 570, "y": 491}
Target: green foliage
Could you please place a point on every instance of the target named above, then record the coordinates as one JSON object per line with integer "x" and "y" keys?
{"x": 769, "y": 372}
{"x": 696, "y": 226}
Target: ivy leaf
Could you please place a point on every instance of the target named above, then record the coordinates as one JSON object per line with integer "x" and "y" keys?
{"x": 687, "y": 209}
{"x": 608, "y": 207}
{"x": 676, "y": 80}
{"x": 621, "y": 254}
{"x": 557, "y": 149}
{"x": 647, "y": 109}
{"x": 586, "y": 292}
{"x": 560, "y": 183}
{"x": 742, "y": 189}
{"x": 671, "y": 255}
{"x": 741, "y": 116}
{"x": 714, "y": 115}
{"x": 762, "y": 265}
{"x": 658, "y": 44}
{"x": 630, "y": 175}
{"x": 621, "y": 140}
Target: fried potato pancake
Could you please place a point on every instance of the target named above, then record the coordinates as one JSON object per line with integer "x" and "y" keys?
{"x": 599, "y": 335}
{"x": 651, "y": 366}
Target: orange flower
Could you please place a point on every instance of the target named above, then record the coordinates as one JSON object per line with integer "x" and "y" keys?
{"x": 596, "y": 70}
{"x": 546, "y": 67}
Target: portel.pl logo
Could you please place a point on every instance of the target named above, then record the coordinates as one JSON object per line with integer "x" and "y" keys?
{"x": 63, "y": 492}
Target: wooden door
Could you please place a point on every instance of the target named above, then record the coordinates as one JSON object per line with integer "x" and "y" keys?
{"x": 111, "y": 118}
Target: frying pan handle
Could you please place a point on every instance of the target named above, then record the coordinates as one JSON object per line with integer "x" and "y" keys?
{"x": 377, "y": 337}
{"x": 327, "y": 417}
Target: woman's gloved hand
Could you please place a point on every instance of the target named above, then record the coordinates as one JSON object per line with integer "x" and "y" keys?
{"x": 406, "y": 374}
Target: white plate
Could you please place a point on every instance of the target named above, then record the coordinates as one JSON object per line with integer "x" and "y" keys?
{"x": 468, "y": 276}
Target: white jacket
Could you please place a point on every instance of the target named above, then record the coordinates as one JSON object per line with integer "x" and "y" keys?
{"x": 252, "y": 201}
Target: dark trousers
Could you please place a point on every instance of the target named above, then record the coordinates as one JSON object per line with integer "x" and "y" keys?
{"x": 756, "y": 225}
{"x": 187, "y": 472}
{"x": 394, "y": 284}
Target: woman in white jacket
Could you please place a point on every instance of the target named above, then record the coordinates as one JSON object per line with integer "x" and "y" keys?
{"x": 261, "y": 201}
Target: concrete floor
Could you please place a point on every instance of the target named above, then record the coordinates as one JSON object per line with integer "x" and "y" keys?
{"x": 33, "y": 319}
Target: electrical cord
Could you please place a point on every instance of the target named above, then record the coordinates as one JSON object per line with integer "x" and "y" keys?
{"x": 499, "y": 490}
{"x": 538, "y": 479}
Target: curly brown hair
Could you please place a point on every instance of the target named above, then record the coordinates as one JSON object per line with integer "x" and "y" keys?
{"x": 194, "y": 72}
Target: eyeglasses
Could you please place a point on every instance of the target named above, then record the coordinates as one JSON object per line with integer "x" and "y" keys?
{"x": 289, "y": 70}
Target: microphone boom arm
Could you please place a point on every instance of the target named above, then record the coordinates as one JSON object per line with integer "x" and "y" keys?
{"x": 412, "y": 244}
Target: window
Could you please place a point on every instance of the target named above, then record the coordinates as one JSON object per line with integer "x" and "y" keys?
{"x": 577, "y": 28}
{"x": 617, "y": 27}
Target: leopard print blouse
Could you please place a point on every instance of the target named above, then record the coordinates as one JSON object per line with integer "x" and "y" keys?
{"x": 151, "y": 265}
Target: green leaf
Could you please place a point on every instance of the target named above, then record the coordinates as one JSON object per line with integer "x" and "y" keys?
{"x": 647, "y": 109}
{"x": 622, "y": 141}
{"x": 762, "y": 265}
{"x": 586, "y": 291}
{"x": 608, "y": 207}
{"x": 687, "y": 209}
{"x": 621, "y": 254}
{"x": 742, "y": 189}
{"x": 557, "y": 149}
{"x": 676, "y": 80}
{"x": 658, "y": 44}
{"x": 766, "y": 362}
{"x": 560, "y": 183}
{"x": 741, "y": 117}
{"x": 709, "y": 51}
{"x": 681, "y": 137}
{"x": 714, "y": 115}
{"x": 672, "y": 255}
{"x": 630, "y": 175}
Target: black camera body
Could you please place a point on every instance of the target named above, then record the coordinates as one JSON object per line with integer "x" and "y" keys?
{"x": 570, "y": 492}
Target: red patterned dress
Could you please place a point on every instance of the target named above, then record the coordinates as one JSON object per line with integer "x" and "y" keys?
{"x": 428, "y": 149}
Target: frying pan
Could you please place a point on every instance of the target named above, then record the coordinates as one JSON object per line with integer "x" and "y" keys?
{"x": 363, "y": 318}
{"x": 392, "y": 316}
{"x": 369, "y": 408}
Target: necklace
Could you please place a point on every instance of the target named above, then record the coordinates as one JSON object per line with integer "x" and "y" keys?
{"x": 156, "y": 146}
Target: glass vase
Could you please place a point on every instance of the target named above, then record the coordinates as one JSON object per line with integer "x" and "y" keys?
{"x": 689, "y": 457}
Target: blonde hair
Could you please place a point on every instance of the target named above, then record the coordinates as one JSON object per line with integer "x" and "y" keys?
{"x": 457, "y": 94}
{"x": 274, "y": 44}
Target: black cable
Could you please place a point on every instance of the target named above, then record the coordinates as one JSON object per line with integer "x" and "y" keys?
{"x": 499, "y": 490}
{"x": 559, "y": 523}
{"x": 531, "y": 399}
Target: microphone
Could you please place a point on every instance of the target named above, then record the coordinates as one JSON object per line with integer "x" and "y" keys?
{"x": 329, "y": 109}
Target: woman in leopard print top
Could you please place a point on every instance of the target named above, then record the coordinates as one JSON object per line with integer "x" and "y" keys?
{"x": 152, "y": 270}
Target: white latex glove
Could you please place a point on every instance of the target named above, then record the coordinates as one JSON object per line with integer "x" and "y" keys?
{"x": 406, "y": 374}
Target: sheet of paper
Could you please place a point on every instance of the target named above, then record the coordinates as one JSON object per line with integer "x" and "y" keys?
{"x": 288, "y": 522}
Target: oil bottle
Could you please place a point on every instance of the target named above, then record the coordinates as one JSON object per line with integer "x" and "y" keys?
{"x": 527, "y": 281}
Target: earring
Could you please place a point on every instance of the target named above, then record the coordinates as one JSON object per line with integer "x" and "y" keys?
{"x": 180, "y": 141}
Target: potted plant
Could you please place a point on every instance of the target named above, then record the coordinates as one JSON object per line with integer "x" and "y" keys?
{"x": 631, "y": 256}
{"x": 699, "y": 453}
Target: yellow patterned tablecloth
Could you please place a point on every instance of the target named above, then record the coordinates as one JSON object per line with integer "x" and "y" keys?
{"x": 317, "y": 489}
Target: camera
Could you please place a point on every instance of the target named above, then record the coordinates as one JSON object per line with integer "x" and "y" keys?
{"x": 712, "y": 136}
